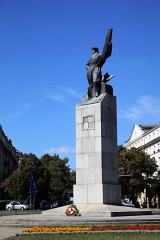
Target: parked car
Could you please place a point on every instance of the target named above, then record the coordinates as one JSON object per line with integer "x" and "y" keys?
{"x": 55, "y": 204}
{"x": 17, "y": 206}
{"x": 127, "y": 203}
{"x": 45, "y": 205}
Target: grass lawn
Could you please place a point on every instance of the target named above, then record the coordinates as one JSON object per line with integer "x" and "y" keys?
{"x": 91, "y": 236}
{"x": 18, "y": 212}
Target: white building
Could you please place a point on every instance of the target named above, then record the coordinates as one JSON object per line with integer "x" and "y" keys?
{"x": 146, "y": 137}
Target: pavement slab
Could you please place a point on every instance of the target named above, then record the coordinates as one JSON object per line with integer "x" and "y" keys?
{"x": 11, "y": 225}
{"x": 6, "y": 232}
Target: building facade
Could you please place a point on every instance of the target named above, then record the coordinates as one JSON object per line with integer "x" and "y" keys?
{"x": 147, "y": 138}
{"x": 8, "y": 158}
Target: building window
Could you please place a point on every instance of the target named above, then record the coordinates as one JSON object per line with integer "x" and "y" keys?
{"x": 146, "y": 139}
{"x": 153, "y": 135}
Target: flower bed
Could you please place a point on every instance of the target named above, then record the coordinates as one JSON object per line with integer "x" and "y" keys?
{"x": 126, "y": 227}
{"x": 153, "y": 227}
{"x": 58, "y": 229}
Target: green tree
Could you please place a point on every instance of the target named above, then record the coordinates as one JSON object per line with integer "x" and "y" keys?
{"x": 17, "y": 186}
{"x": 54, "y": 178}
{"x": 136, "y": 171}
{"x": 72, "y": 178}
{"x": 156, "y": 188}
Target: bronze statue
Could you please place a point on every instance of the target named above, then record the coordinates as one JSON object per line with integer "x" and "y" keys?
{"x": 94, "y": 65}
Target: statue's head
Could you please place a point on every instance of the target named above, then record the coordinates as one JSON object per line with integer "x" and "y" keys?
{"x": 95, "y": 49}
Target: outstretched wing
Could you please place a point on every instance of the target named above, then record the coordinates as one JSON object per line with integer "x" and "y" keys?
{"x": 107, "y": 49}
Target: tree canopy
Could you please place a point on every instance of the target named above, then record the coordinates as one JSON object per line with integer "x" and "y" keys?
{"x": 136, "y": 170}
{"x": 54, "y": 178}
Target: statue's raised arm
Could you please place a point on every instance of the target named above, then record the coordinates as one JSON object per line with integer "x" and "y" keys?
{"x": 107, "y": 49}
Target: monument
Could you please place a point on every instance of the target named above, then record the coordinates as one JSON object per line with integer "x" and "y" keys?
{"x": 97, "y": 192}
{"x": 96, "y": 136}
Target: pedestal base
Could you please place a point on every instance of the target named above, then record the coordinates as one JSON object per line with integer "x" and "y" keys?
{"x": 97, "y": 193}
{"x": 97, "y": 213}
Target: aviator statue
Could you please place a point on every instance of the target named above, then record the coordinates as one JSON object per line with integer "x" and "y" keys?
{"x": 94, "y": 65}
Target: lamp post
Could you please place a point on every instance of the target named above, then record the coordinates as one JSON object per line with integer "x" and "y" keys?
{"x": 32, "y": 184}
{"x": 32, "y": 189}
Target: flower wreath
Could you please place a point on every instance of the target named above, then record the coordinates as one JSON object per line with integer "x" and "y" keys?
{"x": 72, "y": 210}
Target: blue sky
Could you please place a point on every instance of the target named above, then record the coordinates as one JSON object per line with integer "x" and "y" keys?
{"x": 44, "y": 46}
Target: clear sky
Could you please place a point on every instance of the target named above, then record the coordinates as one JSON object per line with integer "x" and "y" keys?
{"x": 44, "y": 46}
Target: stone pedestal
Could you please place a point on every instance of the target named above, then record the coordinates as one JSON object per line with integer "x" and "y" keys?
{"x": 96, "y": 152}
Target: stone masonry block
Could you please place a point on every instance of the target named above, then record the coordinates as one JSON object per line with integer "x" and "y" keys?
{"x": 80, "y": 193}
{"x": 96, "y": 152}
{"x": 82, "y": 160}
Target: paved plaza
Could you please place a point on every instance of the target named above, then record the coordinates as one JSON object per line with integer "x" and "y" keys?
{"x": 11, "y": 225}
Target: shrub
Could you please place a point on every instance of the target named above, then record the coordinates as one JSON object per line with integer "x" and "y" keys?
{"x": 2, "y": 204}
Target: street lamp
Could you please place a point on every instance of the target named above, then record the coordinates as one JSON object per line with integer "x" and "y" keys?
{"x": 32, "y": 188}
{"x": 32, "y": 191}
